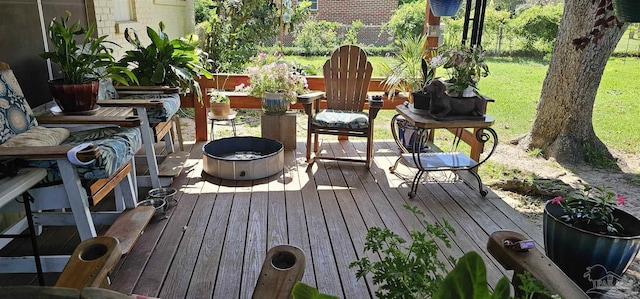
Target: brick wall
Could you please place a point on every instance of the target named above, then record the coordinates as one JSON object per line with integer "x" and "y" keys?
{"x": 177, "y": 15}
{"x": 370, "y": 12}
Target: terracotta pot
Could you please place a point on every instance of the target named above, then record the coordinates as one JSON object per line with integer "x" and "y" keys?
{"x": 220, "y": 109}
{"x": 75, "y": 98}
{"x": 593, "y": 261}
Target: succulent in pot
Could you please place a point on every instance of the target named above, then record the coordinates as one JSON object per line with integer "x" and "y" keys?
{"x": 166, "y": 62}
{"x": 82, "y": 64}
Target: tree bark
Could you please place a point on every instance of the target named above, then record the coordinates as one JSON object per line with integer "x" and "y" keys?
{"x": 563, "y": 126}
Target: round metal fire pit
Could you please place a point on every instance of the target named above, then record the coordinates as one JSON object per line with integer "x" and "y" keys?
{"x": 243, "y": 158}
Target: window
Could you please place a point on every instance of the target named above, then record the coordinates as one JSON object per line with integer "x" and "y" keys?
{"x": 314, "y": 5}
{"x": 122, "y": 10}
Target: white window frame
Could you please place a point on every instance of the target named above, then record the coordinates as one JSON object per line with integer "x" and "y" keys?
{"x": 123, "y": 10}
{"x": 311, "y": 7}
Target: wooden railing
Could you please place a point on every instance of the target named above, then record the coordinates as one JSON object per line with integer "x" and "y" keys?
{"x": 243, "y": 100}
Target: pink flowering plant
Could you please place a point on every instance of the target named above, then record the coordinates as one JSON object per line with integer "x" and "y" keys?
{"x": 269, "y": 73}
{"x": 592, "y": 209}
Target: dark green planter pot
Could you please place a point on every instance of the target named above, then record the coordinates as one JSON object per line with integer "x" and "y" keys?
{"x": 594, "y": 261}
{"x": 627, "y": 10}
{"x": 421, "y": 100}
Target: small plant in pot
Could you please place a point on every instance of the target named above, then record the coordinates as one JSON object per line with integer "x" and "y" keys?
{"x": 589, "y": 238}
{"x": 219, "y": 103}
{"x": 410, "y": 71}
{"x": 465, "y": 66}
{"x": 166, "y": 62}
{"x": 82, "y": 65}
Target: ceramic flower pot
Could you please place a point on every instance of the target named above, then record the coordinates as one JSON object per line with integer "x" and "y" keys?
{"x": 274, "y": 103}
{"x": 594, "y": 261}
{"x": 441, "y": 8}
{"x": 627, "y": 10}
{"x": 75, "y": 98}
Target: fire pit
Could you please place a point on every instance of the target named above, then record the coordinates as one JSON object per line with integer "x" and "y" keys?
{"x": 243, "y": 158}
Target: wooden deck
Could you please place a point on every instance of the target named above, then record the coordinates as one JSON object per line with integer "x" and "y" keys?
{"x": 213, "y": 243}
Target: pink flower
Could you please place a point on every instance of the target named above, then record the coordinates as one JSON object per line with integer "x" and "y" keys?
{"x": 621, "y": 199}
{"x": 556, "y": 200}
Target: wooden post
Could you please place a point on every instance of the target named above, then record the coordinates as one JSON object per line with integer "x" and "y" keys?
{"x": 281, "y": 128}
{"x": 431, "y": 30}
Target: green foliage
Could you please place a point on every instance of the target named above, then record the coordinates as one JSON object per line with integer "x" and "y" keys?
{"x": 351, "y": 37}
{"x": 317, "y": 36}
{"x": 405, "y": 270}
{"x": 598, "y": 158}
{"x": 202, "y": 10}
{"x": 302, "y": 290}
{"x": 531, "y": 287}
{"x": 408, "y": 20}
{"x": 592, "y": 209}
{"x": 408, "y": 71}
{"x": 235, "y": 29}
{"x": 86, "y": 61}
{"x": 164, "y": 61}
{"x": 538, "y": 23}
{"x": 468, "y": 279}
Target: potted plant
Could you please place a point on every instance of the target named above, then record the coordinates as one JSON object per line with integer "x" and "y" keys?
{"x": 82, "y": 65}
{"x": 409, "y": 71}
{"x": 465, "y": 66}
{"x": 166, "y": 62}
{"x": 219, "y": 103}
{"x": 589, "y": 238}
{"x": 276, "y": 81}
{"x": 442, "y": 8}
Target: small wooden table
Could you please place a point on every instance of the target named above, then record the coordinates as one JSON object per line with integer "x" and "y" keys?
{"x": 425, "y": 159}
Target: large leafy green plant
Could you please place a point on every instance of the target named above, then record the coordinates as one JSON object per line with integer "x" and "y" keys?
{"x": 85, "y": 61}
{"x": 405, "y": 270}
{"x": 170, "y": 62}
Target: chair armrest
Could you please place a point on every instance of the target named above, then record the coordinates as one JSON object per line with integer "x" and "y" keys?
{"x": 309, "y": 98}
{"x": 146, "y": 89}
{"x": 48, "y": 152}
{"x": 123, "y": 121}
{"x": 375, "y": 104}
{"x": 146, "y": 103}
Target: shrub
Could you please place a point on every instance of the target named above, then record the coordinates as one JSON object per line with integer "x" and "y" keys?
{"x": 351, "y": 37}
{"x": 317, "y": 36}
{"x": 407, "y": 20}
{"x": 538, "y": 24}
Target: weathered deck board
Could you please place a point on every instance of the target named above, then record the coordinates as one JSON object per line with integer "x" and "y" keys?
{"x": 214, "y": 241}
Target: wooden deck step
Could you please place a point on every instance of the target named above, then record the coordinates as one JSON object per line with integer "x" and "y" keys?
{"x": 129, "y": 226}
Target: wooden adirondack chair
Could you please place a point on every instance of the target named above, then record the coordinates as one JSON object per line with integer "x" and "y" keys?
{"x": 347, "y": 75}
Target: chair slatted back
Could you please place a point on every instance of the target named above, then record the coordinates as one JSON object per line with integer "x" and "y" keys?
{"x": 347, "y": 75}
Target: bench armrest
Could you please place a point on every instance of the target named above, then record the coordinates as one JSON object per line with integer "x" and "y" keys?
{"x": 123, "y": 121}
{"x": 47, "y": 152}
{"x": 129, "y": 102}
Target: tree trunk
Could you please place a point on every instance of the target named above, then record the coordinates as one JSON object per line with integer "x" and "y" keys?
{"x": 563, "y": 126}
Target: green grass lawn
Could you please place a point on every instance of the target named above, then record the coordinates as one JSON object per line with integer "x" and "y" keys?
{"x": 515, "y": 86}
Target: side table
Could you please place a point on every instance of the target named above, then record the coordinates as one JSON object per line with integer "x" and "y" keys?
{"x": 280, "y": 127}
{"x": 13, "y": 187}
{"x": 425, "y": 159}
{"x": 231, "y": 118}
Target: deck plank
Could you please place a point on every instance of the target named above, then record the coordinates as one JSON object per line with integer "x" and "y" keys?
{"x": 205, "y": 272}
{"x": 255, "y": 248}
{"x": 296, "y": 218}
{"x": 229, "y": 279}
